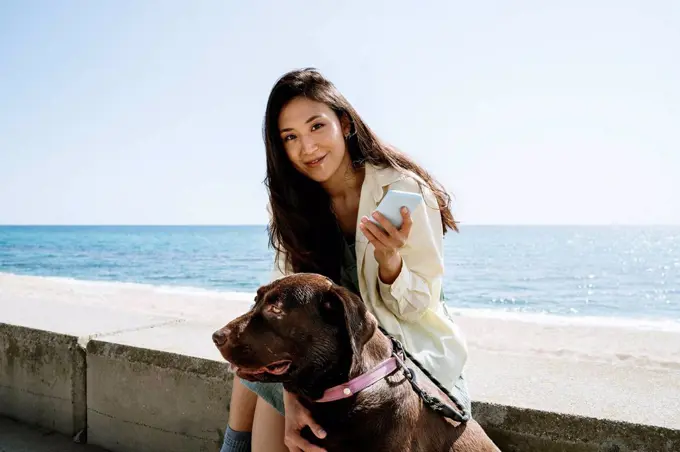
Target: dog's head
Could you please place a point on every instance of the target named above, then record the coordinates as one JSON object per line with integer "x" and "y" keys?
{"x": 299, "y": 326}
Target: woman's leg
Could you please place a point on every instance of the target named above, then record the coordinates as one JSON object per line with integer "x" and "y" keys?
{"x": 268, "y": 429}
{"x": 247, "y": 400}
{"x": 238, "y": 436}
{"x": 241, "y": 407}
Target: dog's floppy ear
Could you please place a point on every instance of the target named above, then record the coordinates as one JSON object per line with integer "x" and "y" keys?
{"x": 360, "y": 326}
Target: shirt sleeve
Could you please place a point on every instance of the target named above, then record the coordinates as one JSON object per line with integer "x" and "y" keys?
{"x": 417, "y": 288}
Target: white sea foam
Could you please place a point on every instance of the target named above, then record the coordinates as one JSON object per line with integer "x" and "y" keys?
{"x": 121, "y": 285}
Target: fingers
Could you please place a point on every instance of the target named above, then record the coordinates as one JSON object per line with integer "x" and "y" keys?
{"x": 407, "y": 222}
{"x": 389, "y": 238}
{"x": 386, "y": 224}
{"x": 309, "y": 447}
{"x": 297, "y": 416}
{"x": 374, "y": 235}
{"x": 296, "y": 443}
{"x": 316, "y": 429}
{"x": 302, "y": 445}
{"x": 307, "y": 419}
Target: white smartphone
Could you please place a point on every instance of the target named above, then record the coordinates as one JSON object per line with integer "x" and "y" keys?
{"x": 391, "y": 204}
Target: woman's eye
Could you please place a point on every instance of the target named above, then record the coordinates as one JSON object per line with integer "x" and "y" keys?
{"x": 289, "y": 137}
{"x": 317, "y": 126}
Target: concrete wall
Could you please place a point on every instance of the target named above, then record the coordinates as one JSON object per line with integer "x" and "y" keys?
{"x": 149, "y": 399}
{"x": 42, "y": 378}
{"x": 43, "y": 357}
{"x": 156, "y": 383}
{"x": 126, "y": 398}
{"x": 517, "y": 429}
{"x": 135, "y": 398}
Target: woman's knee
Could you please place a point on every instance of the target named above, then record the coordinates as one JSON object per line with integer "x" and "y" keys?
{"x": 242, "y": 407}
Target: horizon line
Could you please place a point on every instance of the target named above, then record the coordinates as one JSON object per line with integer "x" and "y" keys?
{"x": 265, "y": 224}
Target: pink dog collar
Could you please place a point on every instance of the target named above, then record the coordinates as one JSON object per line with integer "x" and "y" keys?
{"x": 361, "y": 382}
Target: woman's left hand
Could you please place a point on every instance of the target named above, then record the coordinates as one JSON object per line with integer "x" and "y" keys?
{"x": 296, "y": 418}
{"x": 387, "y": 242}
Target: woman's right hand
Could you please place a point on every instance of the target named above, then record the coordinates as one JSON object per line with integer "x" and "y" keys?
{"x": 297, "y": 416}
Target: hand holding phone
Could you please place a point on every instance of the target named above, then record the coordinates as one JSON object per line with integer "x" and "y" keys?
{"x": 391, "y": 204}
{"x": 387, "y": 240}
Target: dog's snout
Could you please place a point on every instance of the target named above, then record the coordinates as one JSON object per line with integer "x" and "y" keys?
{"x": 219, "y": 337}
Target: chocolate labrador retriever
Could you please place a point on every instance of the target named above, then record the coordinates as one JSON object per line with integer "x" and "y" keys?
{"x": 319, "y": 340}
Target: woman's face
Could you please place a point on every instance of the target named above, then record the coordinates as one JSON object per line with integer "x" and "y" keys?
{"x": 314, "y": 138}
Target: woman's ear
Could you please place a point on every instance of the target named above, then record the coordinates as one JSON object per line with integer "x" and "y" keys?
{"x": 346, "y": 124}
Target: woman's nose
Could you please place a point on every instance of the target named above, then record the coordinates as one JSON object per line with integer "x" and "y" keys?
{"x": 309, "y": 145}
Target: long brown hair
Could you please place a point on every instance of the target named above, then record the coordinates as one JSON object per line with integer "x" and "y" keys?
{"x": 302, "y": 224}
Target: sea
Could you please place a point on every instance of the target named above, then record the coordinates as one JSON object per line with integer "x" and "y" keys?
{"x": 630, "y": 273}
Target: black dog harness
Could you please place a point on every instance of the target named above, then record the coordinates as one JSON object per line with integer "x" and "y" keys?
{"x": 398, "y": 351}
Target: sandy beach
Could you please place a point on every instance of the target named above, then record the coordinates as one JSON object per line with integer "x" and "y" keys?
{"x": 627, "y": 370}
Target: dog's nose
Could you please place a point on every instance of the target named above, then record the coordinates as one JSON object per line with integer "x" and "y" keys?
{"x": 219, "y": 337}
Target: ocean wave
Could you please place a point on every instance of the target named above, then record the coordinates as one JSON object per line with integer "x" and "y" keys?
{"x": 155, "y": 288}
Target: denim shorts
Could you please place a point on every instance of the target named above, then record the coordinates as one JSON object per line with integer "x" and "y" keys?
{"x": 272, "y": 393}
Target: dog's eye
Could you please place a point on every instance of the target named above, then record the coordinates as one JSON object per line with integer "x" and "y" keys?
{"x": 275, "y": 310}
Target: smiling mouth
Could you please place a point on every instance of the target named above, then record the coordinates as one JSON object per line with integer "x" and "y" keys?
{"x": 316, "y": 162}
{"x": 275, "y": 368}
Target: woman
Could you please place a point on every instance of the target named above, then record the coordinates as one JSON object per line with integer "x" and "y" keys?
{"x": 326, "y": 173}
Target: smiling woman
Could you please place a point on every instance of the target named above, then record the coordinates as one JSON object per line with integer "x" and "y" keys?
{"x": 313, "y": 137}
{"x": 326, "y": 173}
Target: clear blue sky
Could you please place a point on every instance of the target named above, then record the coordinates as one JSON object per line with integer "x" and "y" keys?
{"x": 150, "y": 112}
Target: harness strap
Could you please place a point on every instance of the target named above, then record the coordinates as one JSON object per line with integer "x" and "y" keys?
{"x": 439, "y": 406}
